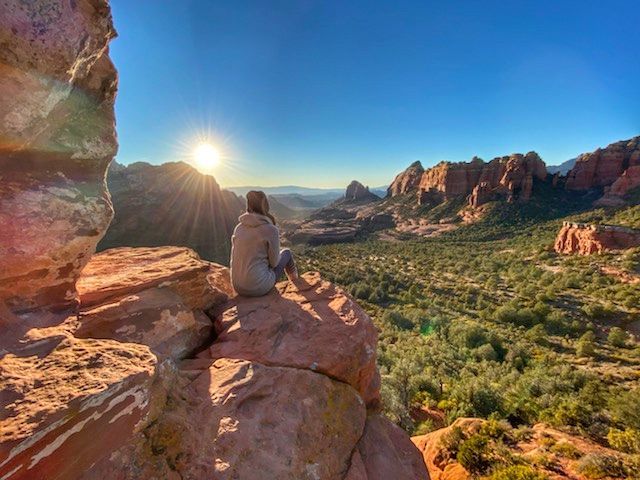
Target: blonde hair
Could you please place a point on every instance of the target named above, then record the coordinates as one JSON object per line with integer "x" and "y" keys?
{"x": 257, "y": 203}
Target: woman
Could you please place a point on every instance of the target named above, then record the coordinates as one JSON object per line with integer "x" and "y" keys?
{"x": 256, "y": 259}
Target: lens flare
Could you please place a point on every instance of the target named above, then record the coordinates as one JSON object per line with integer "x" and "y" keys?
{"x": 206, "y": 156}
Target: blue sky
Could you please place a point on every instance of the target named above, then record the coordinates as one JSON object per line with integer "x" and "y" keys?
{"x": 320, "y": 92}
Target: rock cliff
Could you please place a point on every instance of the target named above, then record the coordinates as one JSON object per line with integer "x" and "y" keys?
{"x": 146, "y": 365}
{"x": 406, "y": 181}
{"x": 170, "y": 204}
{"x": 57, "y": 138}
{"x": 603, "y": 167}
{"x": 586, "y": 239}
{"x": 510, "y": 178}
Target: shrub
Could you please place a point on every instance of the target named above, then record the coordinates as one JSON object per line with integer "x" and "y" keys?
{"x": 596, "y": 465}
{"x": 627, "y": 441}
{"x": 585, "y": 349}
{"x": 473, "y": 454}
{"x": 617, "y": 337}
{"x": 567, "y": 450}
{"x": 516, "y": 472}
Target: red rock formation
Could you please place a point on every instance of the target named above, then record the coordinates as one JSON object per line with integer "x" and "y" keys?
{"x": 509, "y": 177}
{"x": 343, "y": 345}
{"x": 105, "y": 389}
{"x": 604, "y": 166}
{"x": 358, "y": 192}
{"x": 615, "y": 195}
{"x": 406, "y": 181}
{"x": 57, "y": 137}
{"x": 585, "y": 239}
{"x": 170, "y": 204}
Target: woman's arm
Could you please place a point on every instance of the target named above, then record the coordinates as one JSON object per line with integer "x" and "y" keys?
{"x": 273, "y": 246}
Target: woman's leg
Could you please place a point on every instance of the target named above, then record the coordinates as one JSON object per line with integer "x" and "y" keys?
{"x": 286, "y": 264}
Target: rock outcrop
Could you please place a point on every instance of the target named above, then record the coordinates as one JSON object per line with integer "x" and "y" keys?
{"x": 170, "y": 204}
{"x": 357, "y": 192}
{"x": 587, "y": 239}
{"x": 564, "y": 450}
{"x": 406, "y": 181}
{"x": 57, "y": 138}
{"x": 510, "y": 178}
{"x": 261, "y": 397}
{"x": 605, "y": 166}
{"x": 122, "y": 377}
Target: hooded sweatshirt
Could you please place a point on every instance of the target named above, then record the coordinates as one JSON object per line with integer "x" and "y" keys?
{"x": 255, "y": 251}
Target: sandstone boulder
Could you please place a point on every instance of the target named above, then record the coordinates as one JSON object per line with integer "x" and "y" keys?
{"x": 317, "y": 327}
{"x": 387, "y": 452}
{"x": 68, "y": 402}
{"x": 587, "y": 239}
{"x": 125, "y": 271}
{"x": 244, "y": 420}
{"x": 156, "y": 317}
{"x": 57, "y": 130}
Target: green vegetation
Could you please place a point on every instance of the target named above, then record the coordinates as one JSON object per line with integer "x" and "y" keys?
{"x": 487, "y": 321}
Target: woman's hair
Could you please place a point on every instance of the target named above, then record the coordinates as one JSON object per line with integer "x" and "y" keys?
{"x": 257, "y": 203}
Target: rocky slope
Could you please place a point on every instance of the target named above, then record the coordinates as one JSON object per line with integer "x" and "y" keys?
{"x": 586, "y": 239}
{"x": 170, "y": 204}
{"x": 149, "y": 368}
{"x": 541, "y": 449}
{"x": 344, "y": 220}
{"x": 604, "y": 166}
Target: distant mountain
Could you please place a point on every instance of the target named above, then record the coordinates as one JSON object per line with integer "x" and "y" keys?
{"x": 288, "y": 190}
{"x": 563, "y": 168}
{"x": 170, "y": 204}
{"x": 297, "y": 201}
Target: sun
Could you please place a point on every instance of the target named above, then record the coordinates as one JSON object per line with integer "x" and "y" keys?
{"x": 206, "y": 156}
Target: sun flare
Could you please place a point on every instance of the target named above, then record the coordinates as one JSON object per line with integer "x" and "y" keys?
{"x": 206, "y": 156}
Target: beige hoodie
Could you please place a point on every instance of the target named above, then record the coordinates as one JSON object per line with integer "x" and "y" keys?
{"x": 255, "y": 251}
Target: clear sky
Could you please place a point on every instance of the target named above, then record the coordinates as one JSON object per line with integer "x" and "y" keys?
{"x": 320, "y": 92}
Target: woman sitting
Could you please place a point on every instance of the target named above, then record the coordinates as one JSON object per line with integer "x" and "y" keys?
{"x": 256, "y": 259}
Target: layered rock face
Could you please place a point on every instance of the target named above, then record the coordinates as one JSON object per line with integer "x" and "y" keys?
{"x": 586, "y": 239}
{"x": 122, "y": 378}
{"x": 406, "y": 181}
{"x": 510, "y": 177}
{"x": 78, "y": 385}
{"x": 57, "y": 138}
{"x": 289, "y": 387}
{"x": 171, "y": 204}
{"x": 605, "y": 166}
{"x": 358, "y": 192}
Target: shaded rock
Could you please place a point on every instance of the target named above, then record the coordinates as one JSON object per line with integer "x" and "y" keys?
{"x": 318, "y": 327}
{"x": 604, "y": 166}
{"x": 171, "y": 204}
{"x": 357, "y": 192}
{"x": 58, "y": 87}
{"x": 57, "y": 403}
{"x": 156, "y": 317}
{"x": 615, "y": 195}
{"x": 587, "y": 239}
{"x": 124, "y": 271}
{"x": 387, "y": 452}
{"x": 238, "y": 418}
{"x": 406, "y": 181}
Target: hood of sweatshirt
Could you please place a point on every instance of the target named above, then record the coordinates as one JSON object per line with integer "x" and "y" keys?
{"x": 253, "y": 219}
